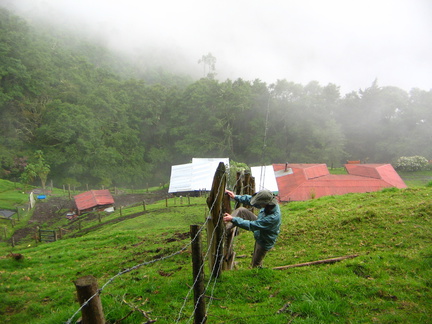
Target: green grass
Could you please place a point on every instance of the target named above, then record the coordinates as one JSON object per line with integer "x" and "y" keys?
{"x": 417, "y": 179}
{"x": 389, "y": 282}
{"x": 12, "y": 195}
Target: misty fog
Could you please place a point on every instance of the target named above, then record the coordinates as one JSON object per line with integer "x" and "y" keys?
{"x": 347, "y": 43}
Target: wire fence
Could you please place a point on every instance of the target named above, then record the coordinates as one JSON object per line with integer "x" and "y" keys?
{"x": 210, "y": 283}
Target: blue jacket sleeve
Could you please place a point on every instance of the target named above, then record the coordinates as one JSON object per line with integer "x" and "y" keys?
{"x": 244, "y": 199}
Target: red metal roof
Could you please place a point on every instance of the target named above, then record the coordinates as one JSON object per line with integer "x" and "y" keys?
{"x": 93, "y": 198}
{"x": 379, "y": 171}
{"x": 307, "y": 181}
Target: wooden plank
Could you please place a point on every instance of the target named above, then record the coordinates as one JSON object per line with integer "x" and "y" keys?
{"x": 333, "y": 260}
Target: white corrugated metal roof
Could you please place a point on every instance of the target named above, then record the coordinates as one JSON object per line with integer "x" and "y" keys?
{"x": 265, "y": 178}
{"x": 194, "y": 176}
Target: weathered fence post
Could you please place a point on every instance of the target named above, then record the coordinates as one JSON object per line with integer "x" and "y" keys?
{"x": 229, "y": 254}
{"x": 215, "y": 225}
{"x": 198, "y": 275}
{"x": 92, "y": 312}
{"x": 144, "y": 205}
{"x": 238, "y": 188}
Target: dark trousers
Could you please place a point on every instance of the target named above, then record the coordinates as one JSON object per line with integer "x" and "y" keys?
{"x": 259, "y": 253}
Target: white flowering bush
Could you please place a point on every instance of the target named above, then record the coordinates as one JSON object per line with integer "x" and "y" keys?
{"x": 411, "y": 163}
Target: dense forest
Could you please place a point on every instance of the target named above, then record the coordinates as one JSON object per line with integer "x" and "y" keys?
{"x": 100, "y": 120}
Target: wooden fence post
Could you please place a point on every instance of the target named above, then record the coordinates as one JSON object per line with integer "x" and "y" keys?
{"x": 92, "y": 312}
{"x": 215, "y": 225}
{"x": 229, "y": 254}
{"x": 198, "y": 275}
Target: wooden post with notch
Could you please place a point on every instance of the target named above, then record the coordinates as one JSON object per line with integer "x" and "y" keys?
{"x": 215, "y": 224}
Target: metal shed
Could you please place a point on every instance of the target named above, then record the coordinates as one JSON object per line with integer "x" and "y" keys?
{"x": 93, "y": 199}
{"x": 195, "y": 176}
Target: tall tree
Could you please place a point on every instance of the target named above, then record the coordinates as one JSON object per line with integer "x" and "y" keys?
{"x": 37, "y": 167}
{"x": 209, "y": 65}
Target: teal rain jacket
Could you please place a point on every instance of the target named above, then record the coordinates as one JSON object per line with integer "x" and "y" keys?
{"x": 266, "y": 228}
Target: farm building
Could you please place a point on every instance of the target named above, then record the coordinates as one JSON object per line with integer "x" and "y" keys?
{"x": 92, "y": 199}
{"x": 5, "y": 213}
{"x": 265, "y": 178}
{"x": 299, "y": 182}
{"x": 194, "y": 177}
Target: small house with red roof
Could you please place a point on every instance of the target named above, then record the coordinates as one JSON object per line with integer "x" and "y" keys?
{"x": 299, "y": 182}
{"x": 93, "y": 199}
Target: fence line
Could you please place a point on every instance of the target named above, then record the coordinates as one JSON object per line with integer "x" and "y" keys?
{"x": 154, "y": 261}
{"x": 202, "y": 266}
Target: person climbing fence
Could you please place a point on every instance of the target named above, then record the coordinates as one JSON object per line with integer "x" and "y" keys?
{"x": 265, "y": 226}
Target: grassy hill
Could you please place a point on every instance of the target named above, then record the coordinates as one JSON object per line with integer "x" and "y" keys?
{"x": 389, "y": 282}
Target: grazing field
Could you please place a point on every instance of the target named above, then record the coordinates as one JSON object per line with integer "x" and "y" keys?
{"x": 390, "y": 281}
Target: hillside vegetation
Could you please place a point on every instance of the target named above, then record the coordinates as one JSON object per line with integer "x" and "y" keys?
{"x": 99, "y": 123}
{"x": 390, "y": 281}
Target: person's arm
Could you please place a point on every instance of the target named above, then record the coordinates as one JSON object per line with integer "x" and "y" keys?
{"x": 244, "y": 199}
{"x": 269, "y": 222}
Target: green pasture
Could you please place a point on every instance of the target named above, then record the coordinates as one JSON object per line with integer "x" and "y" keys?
{"x": 390, "y": 281}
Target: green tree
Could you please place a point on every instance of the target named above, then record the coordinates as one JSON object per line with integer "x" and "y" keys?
{"x": 36, "y": 168}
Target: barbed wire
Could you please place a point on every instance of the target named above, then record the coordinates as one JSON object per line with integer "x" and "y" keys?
{"x": 202, "y": 265}
{"x": 213, "y": 271}
{"x": 69, "y": 321}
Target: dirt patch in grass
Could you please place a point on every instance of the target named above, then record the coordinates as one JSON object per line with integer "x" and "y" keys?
{"x": 48, "y": 212}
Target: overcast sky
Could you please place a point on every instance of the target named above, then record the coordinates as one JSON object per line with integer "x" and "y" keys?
{"x": 345, "y": 42}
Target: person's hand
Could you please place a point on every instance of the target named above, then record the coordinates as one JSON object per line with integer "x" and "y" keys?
{"x": 230, "y": 193}
{"x": 227, "y": 218}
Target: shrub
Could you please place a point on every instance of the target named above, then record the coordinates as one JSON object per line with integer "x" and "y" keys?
{"x": 411, "y": 163}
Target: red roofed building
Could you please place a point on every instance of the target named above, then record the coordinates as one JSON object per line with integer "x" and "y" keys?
{"x": 298, "y": 182}
{"x": 93, "y": 199}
